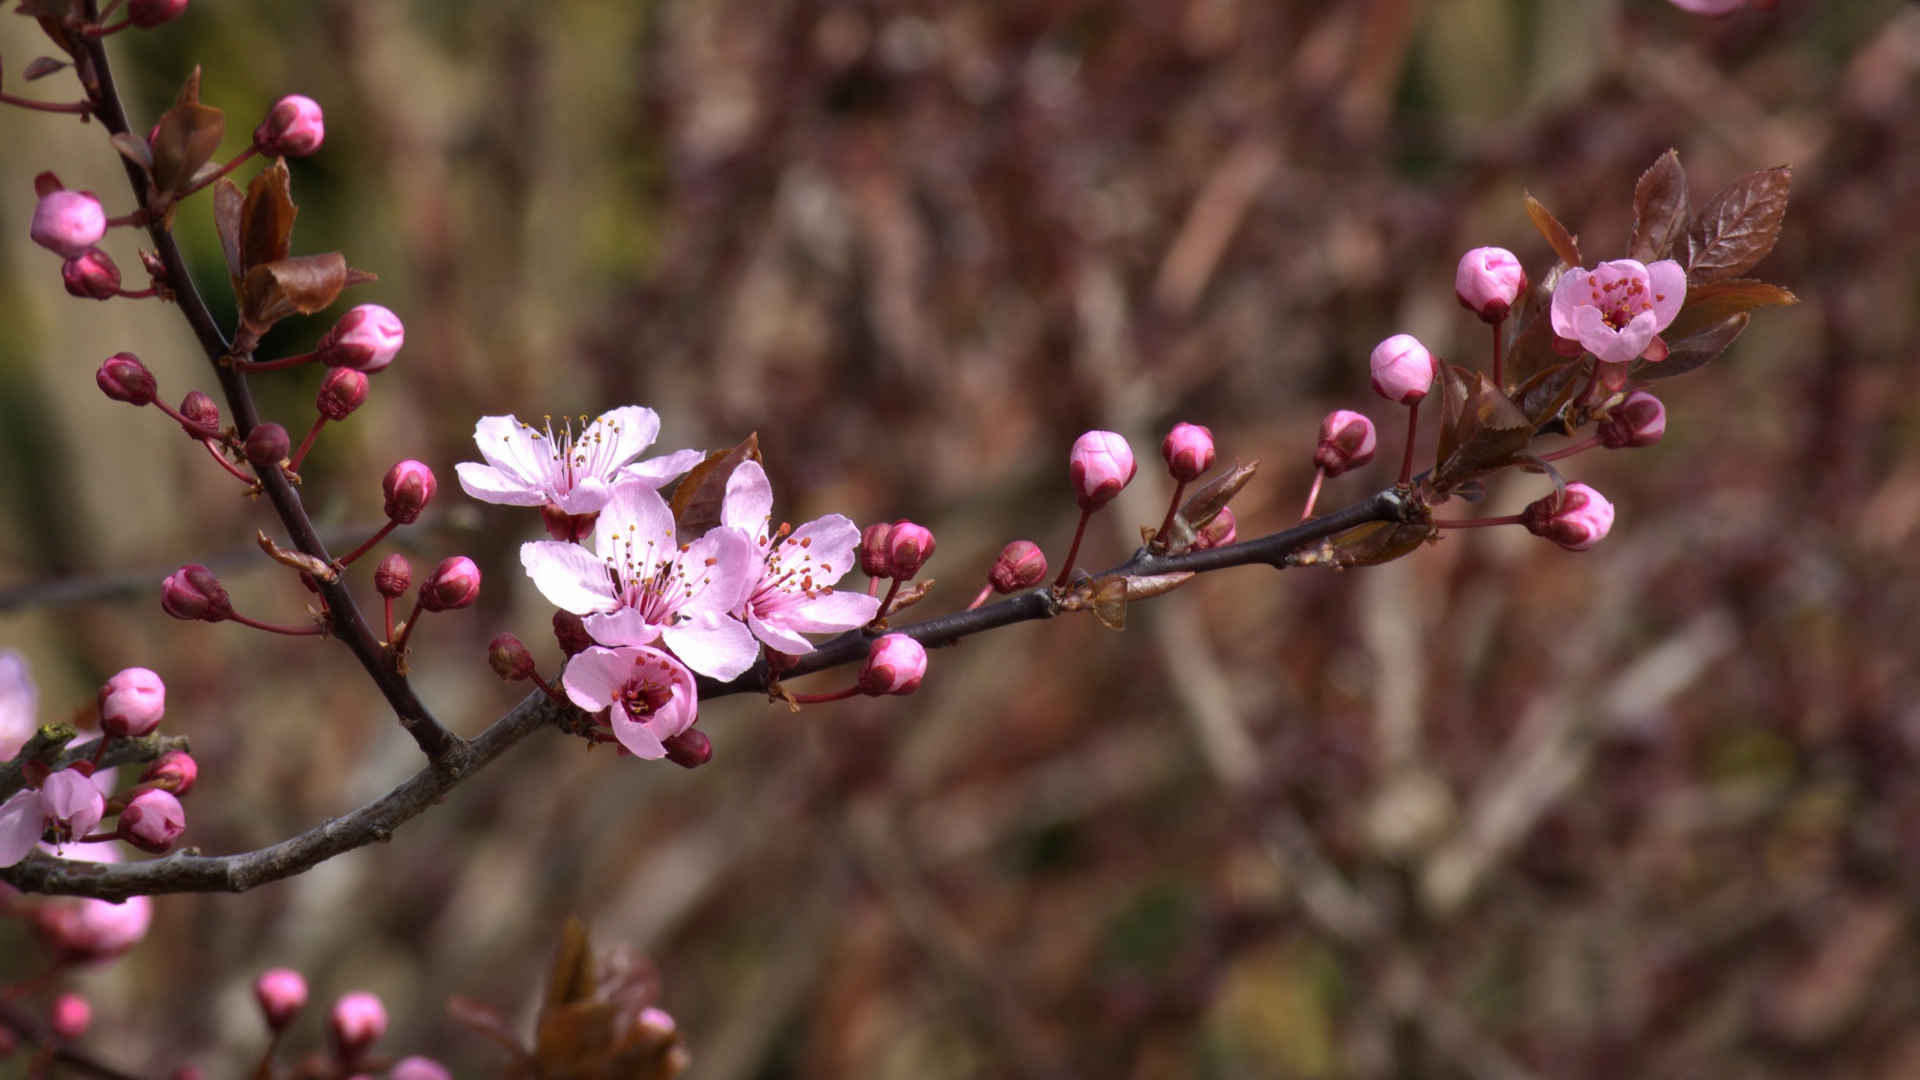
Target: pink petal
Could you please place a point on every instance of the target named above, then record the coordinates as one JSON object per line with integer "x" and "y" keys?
{"x": 779, "y": 638}
{"x": 831, "y": 613}
{"x": 22, "y": 818}
{"x": 724, "y": 567}
{"x": 488, "y": 484}
{"x": 595, "y": 676}
{"x": 589, "y": 495}
{"x": 829, "y": 542}
{"x": 617, "y": 437}
{"x": 625, "y": 626}
{"x": 569, "y": 576}
{"x": 1573, "y": 293}
{"x": 717, "y": 646}
{"x": 654, "y": 472}
{"x": 509, "y": 446}
{"x": 636, "y": 519}
{"x": 1669, "y": 284}
{"x": 748, "y": 505}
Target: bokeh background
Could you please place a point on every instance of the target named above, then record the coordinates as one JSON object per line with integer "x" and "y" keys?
{"x": 1493, "y": 811}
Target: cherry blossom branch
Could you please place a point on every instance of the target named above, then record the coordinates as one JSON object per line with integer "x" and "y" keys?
{"x": 376, "y": 821}
{"x": 444, "y": 749}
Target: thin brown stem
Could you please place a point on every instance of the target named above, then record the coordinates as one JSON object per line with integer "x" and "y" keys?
{"x": 1413, "y": 427}
{"x": 1073, "y": 550}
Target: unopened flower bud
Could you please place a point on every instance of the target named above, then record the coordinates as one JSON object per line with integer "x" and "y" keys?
{"x": 202, "y": 413}
{"x": 1576, "y": 521}
{"x": 570, "y": 633}
{"x": 267, "y": 445}
{"x": 1403, "y": 369}
{"x": 68, "y": 223}
{"x": 409, "y": 486}
{"x": 294, "y": 127}
{"x": 895, "y": 665}
{"x": 416, "y": 1067}
{"x": 71, "y": 1016}
{"x": 509, "y": 658}
{"x": 1222, "y": 529}
{"x": 1488, "y": 281}
{"x": 72, "y": 802}
{"x": 91, "y": 276}
{"x": 1188, "y": 451}
{"x": 909, "y": 546}
{"x": 282, "y": 993}
{"x": 1640, "y": 420}
{"x": 341, "y": 391}
{"x": 690, "y": 749}
{"x": 152, "y": 821}
{"x": 174, "y": 771}
{"x": 656, "y": 1024}
{"x": 356, "y": 1021}
{"x": 393, "y": 576}
{"x": 1100, "y": 464}
{"x": 192, "y": 592}
{"x": 1020, "y": 565}
{"x": 455, "y": 584}
{"x": 1347, "y": 441}
{"x": 874, "y": 561}
{"x": 123, "y": 377}
{"x": 147, "y": 14}
{"x": 132, "y": 702}
{"x": 366, "y": 339}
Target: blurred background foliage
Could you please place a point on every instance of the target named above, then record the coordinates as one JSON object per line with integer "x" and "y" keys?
{"x": 1495, "y": 810}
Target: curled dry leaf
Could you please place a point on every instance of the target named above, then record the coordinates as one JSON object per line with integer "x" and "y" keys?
{"x": 696, "y": 501}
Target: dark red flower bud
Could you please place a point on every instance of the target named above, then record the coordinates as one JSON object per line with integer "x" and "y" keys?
{"x": 1021, "y": 565}
{"x": 123, "y": 377}
{"x": 455, "y": 584}
{"x": 570, "y": 632}
{"x": 409, "y": 486}
{"x": 91, "y": 276}
{"x": 509, "y": 657}
{"x": 147, "y": 14}
{"x": 267, "y": 445}
{"x": 202, "y": 414}
{"x": 690, "y": 749}
{"x": 294, "y": 127}
{"x": 393, "y": 576}
{"x": 192, "y": 592}
{"x": 341, "y": 391}
{"x": 909, "y": 546}
{"x": 874, "y": 561}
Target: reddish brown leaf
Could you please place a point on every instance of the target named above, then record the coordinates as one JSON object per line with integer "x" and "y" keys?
{"x": 1541, "y": 398}
{"x": 266, "y": 217}
{"x": 190, "y": 89}
{"x": 187, "y": 137}
{"x": 1210, "y": 498}
{"x": 1659, "y": 209}
{"x": 1710, "y": 303}
{"x": 1738, "y": 226}
{"x": 300, "y": 285}
{"x": 1530, "y": 346}
{"x": 1376, "y": 542}
{"x": 41, "y": 67}
{"x": 227, "y": 203}
{"x": 1565, "y": 244}
{"x": 1481, "y": 428}
{"x": 696, "y": 502}
{"x": 1691, "y": 352}
{"x": 134, "y": 149}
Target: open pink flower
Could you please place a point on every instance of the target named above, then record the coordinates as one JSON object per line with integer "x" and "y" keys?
{"x": 573, "y": 472}
{"x": 652, "y": 695}
{"x": 1616, "y": 309}
{"x": 793, "y": 593}
{"x": 18, "y": 701}
{"x": 642, "y": 587}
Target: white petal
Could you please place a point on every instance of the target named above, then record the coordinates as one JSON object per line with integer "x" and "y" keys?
{"x": 748, "y": 505}
{"x": 831, "y": 613}
{"x": 569, "y": 576}
{"x": 778, "y": 638}
{"x": 588, "y": 496}
{"x": 656, "y": 472}
{"x": 594, "y": 676}
{"x": 723, "y": 568}
{"x": 717, "y": 646}
{"x": 635, "y": 527}
{"x": 510, "y": 446}
{"x": 828, "y": 543}
{"x": 623, "y": 627}
{"x": 488, "y": 484}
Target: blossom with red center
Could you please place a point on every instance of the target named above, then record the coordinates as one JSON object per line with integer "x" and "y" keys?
{"x": 794, "y": 592}
{"x": 573, "y": 472}
{"x": 1616, "y": 310}
{"x": 652, "y": 695}
{"x": 637, "y": 585}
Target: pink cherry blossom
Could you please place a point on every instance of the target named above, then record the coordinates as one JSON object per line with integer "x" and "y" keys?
{"x": 23, "y": 817}
{"x": 1576, "y": 520}
{"x": 652, "y": 695}
{"x": 73, "y": 804}
{"x": 1616, "y": 309}
{"x": 637, "y": 585}
{"x": 793, "y": 593}
{"x": 1099, "y": 464}
{"x": 571, "y": 471}
{"x": 1487, "y": 282}
{"x": 18, "y": 702}
{"x": 1403, "y": 369}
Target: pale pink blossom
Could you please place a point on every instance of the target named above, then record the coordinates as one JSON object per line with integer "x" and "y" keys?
{"x": 573, "y": 472}
{"x": 18, "y": 702}
{"x": 73, "y": 804}
{"x": 793, "y": 593}
{"x": 1617, "y": 309}
{"x": 23, "y": 817}
{"x": 1099, "y": 464}
{"x": 652, "y": 695}
{"x": 1487, "y": 282}
{"x": 637, "y": 585}
{"x": 1403, "y": 369}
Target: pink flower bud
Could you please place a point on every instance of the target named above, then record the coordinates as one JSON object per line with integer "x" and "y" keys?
{"x": 174, "y": 771}
{"x": 1579, "y": 520}
{"x": 393, "y": 576}
{"x": 356, "y": 1021}
{"x": 1347, "y": 441}
{"x": 656, "y": 1023}
{"x": 202, "y": 413}
{"x": 152, "y": 821}
{"x": 132, "y": 702}
{"x": 570, "y": 633}
{"x": 690, "y": 749}
{"x": 416, "y": 1067}
{"x": 93, "y": 929}
{"x": 1188, "y": 451}
{"x": 455, "y": 584}
{"x": 1640, "y": 420}
{"x": 366, "y": 339}
{"x": 91, "y": 276}
{"x": 895, "y": 665}
{"x": 123, "y": 377}
{"x": 267, "y": 445}
{"x": 72, "y": 802}
{"x": 1101, "y": 464}
{"x": 68, "y": 222}
{"x": 294, "y": 127}
{"x": 71, "y": 1016}
{"x": 341, "y": 391}
{"x": 909, "y": 546}
{"x": 1020, "y": 565}
{"x": 509, "y": 658}
{"x": 1222, "y": 530}
{"x": 873, "y": 550}
{"x": 1488, "y": 281}
{"x": 192, "y": 592}
{"x": 1403, "y": 369}
{"x": 147, "y": 14}
{"x": 282, "y": 993}
{"x": 409, "y": 486}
